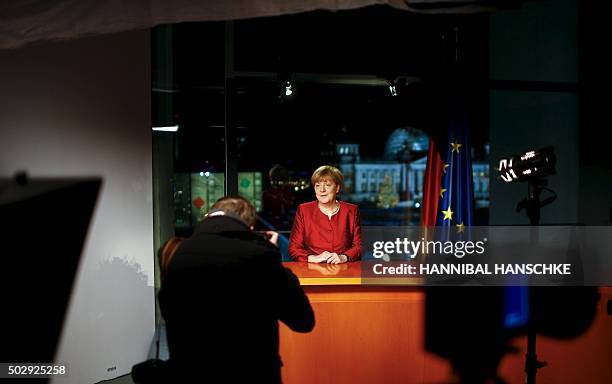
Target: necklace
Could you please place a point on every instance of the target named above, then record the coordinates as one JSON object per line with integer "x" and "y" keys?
{"x": 330, "y": 212}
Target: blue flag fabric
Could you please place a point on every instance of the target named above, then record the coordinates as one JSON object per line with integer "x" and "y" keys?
{"x": 456, "y": 193}
{"x": 456, "y": 206}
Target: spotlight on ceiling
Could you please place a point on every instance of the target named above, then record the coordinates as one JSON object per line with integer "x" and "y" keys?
{"x": 395, "y": 83}
{"x": 288, "y": 88}
{"x": 531, "y": 165}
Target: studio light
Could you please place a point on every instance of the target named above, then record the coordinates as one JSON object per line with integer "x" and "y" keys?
{"x": 288, "y": 88}
{"x": 396, "y": 84}
{"x": 528, "y": 166}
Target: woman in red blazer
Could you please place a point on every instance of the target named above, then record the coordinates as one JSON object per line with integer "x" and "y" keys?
{"x": 326, "y": 230}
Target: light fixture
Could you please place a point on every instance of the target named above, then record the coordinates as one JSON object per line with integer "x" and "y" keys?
{"x": 168, "y": 128}
{"x": 528, "y": 166}
{"x": 288, "y": 89}
{"x": 394, "y": 83}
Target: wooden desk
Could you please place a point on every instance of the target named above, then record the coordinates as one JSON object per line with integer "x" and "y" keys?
{"x": 374, "y": 334}
{"x": 363, "y": 334}
{"x": 312, "y": 274}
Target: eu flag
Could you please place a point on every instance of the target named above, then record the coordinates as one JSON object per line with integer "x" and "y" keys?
{"x": 448, "y": 199}
{"x": 448, "y": 186}
{"x": 456, "y": 186}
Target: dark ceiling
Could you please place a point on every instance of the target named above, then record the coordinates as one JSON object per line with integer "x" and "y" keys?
{"x": 434, "y": 52}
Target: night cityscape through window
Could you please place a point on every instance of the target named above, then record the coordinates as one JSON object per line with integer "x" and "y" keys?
{"x": 296, "y": 105}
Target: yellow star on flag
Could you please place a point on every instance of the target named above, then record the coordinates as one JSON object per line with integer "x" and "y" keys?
{"x": 444, "y": 167}
{"x": 455, "y": 146}
{"x": 442, "y": 190}
{"x": 448, "y": 214}
{"x": 460, "y": 227}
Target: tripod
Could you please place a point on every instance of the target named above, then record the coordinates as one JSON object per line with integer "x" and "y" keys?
{"x": 532, "y": 206}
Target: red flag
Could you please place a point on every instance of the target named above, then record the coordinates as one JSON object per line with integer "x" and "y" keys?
{"x": 431, "y": 186}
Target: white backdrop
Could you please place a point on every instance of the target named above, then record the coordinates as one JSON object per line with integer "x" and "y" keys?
{"x": 82, "y": 108}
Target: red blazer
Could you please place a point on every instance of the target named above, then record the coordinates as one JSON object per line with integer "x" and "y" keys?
{"x": 313, "y": 232}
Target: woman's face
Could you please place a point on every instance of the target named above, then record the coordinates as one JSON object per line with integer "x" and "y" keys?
{"x": 326, "y": 191}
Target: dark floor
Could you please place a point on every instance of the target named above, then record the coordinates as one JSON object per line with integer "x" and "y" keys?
{"x": 161, "y": 354}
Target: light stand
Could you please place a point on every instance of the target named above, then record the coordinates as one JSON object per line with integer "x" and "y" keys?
{"x": 533, "y": 205}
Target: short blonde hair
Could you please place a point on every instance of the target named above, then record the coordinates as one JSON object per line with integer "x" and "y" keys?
{"x": 327, "y": 172}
